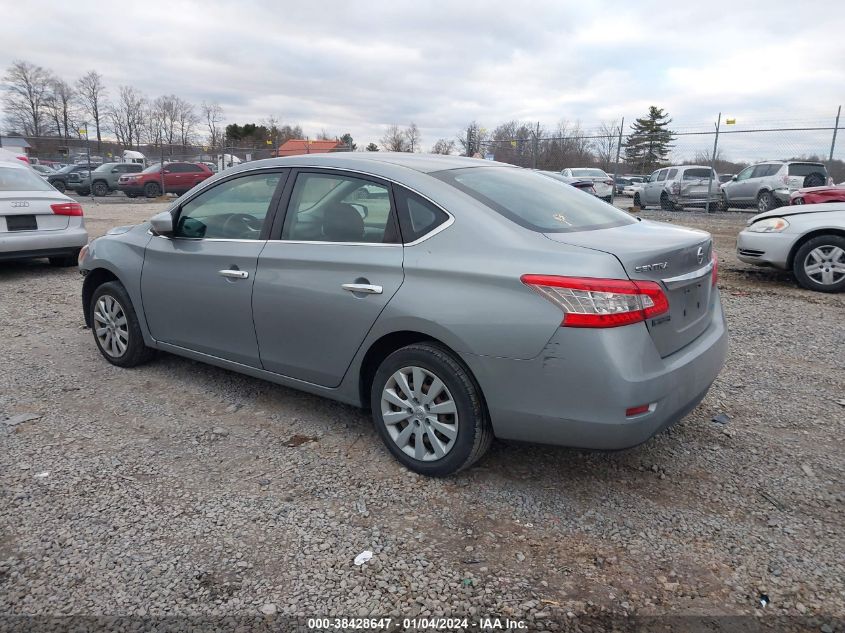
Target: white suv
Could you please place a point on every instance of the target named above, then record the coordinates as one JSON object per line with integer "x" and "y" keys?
{"x": 768, "y": 185}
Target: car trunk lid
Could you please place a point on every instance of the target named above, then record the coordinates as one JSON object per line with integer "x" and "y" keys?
{"x": 679, "y": 259}
{"x": 17, "y": 206}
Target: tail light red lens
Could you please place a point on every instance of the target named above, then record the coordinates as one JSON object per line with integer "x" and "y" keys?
{"x": 715, "y": 268}
{"x": 67, "y": 208}
{"x": 643, "y": 408}
{"x": 600, "y": 303}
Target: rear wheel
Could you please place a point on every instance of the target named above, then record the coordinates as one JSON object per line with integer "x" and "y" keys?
{"x": 115, "y": 326}
{"x": 100, "y": 189}
{"x": 65, "y": 261}
{"x": 765, "y": 201}
{"x": 637, "y": 201}
{"x": 428, "y": 410}
{"x": 152, "y": 190}
{"x": 820, "y": 264}
{"x": 666, "y": 204}
{"x": 798, "y": 200}
{"x": 131, "y": 195}
{"x": 83, "y": 192}
{"x": 60, "y": 186}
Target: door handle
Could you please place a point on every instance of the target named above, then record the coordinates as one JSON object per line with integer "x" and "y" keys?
{"x": 367, "y": 289}
{"x": 234, "y": 274}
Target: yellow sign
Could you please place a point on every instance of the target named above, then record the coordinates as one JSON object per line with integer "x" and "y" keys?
{"x": 83, "y": 131}
{"x": 269, "y": 142}
{"x": 730, "y": 121}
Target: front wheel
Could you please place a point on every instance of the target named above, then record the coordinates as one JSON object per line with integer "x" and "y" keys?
{"x": 100, "y": 189}
{"x": 60, "y": 186}
{"x": 152, "y": 190}
{"x": 637, "y": 202}
{"x": 820, "y": 264}
{"x": 116, "y": 328}
{"x": 428, "y": 410}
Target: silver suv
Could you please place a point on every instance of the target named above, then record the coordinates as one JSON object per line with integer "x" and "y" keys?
{"x": 768, "y": 185}
{"x": 102, "y": 180}
{"x": 679, "y": 186}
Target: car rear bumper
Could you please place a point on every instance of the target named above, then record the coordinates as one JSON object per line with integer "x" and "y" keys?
{"x": 694, "y": 200}
{"x": 764, "y": 249}
{"x": 576, "y": 392}
{"x": 28, "y": 244}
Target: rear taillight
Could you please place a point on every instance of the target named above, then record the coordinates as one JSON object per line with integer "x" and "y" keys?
{"x": 67, "y": 208}
{"x": 715, "y": 268}
{"x": 609, "y": 181}
{"x": 598, "y": 303}
{"x": 676, "y": 187}
{"x": 785, "y": 179}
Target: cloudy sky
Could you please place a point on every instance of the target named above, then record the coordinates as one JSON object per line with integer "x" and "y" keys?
{"x": 359, "y": 66}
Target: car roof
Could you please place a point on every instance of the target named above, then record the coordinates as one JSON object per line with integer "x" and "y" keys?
{"x": 424, "y": 163}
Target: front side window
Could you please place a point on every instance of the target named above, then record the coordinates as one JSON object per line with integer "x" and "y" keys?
{"x": 745, "y": 174}
{"x": 661, "y": 176}
{"x": 234, "y": 209}
{"x": 328, "y": 207}
{"x": 534, "y": 201}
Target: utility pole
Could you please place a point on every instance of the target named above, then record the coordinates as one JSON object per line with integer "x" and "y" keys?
{"x": 87, "y": 149}
{"x": 835, "y": 127}
{"x": 616, "y": 164}
{"x": 536, "y": 148}
{"x": 713, "y": 163}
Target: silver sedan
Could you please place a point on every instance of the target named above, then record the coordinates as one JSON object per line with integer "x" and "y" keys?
{"x": 457, "y": 299}
{"x": 36, "y": 220}
{"x": 809, "y": 240}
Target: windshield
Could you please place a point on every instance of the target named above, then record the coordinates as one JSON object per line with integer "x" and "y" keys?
{"x": 805, "y": 169}
{"x": 17, "y": 179}
{"x": 592, "y": 173}
{"x": 699, "y": 173}
{"x": 534, "y": 201}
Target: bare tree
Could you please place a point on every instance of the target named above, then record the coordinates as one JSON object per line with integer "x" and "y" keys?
{"x": 127, "y": 116}
{"x": 186, "y": 122}
{"x": 26, "y": 95}
{"x": 472, "y": 138}
{"x": 443, "y": 146}
{"x": 394, "y": 139}
{"x": 213, "y": 115}
{"x": 412, "y": 135}
{"x": 92, "y": 95}
{"x": 605, "y": 143}
{"x": 325, "y": 136}
{"x": 60, "y": 106}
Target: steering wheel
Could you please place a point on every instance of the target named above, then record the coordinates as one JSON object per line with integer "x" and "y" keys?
{"x": 242, "y": 224}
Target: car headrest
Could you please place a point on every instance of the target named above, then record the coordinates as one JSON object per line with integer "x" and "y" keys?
{"x": 343, "y": 223}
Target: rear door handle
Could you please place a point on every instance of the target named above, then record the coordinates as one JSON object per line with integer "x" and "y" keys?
{"x": 234, "y": 274}
{"x": 367, "y": 289}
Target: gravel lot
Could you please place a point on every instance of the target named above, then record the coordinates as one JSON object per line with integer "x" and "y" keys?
{"x": 182, "y": 489}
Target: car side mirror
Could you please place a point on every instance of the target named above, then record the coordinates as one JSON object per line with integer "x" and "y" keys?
{"x": 162, "y": 224}
{"x": 115, "y": 170}
{"x": 733, "y": 177}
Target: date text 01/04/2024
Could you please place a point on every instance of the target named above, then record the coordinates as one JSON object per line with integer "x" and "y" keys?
{"x": 484, "y": 624}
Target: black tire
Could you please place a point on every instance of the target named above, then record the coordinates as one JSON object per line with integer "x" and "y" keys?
{"x": 765, "y": 201}
{"x": 152, "y": 190}
{"x": 84, "y": 192}
{"x": 65, "y": 261}
{"x": 637, "y": 201}
{"x": 131, "y": 195}
{"x": 60, "y": 186}
{"x": 798, "y": 263}
{"x": 666, "y": 204}
{"x": 798, "y": 200}
{"x": 136, "y": 351}
{"x": 100, "y": 189}
{"x": 722, "y": 205}
{"x": 474, "y": 432}
{"x": 814, "y": 180}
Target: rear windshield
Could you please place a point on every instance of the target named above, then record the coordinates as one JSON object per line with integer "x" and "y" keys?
{"x": 805, "y": 169}
{"x": 534, "y": 201}
{"x": 698, "y": 174}
{"x": 17, "y": 179}
{"x": 591, "y": 173}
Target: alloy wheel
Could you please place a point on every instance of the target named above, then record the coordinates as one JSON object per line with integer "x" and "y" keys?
{"x": 110, "y": 326}
{"x": 419, "y": 413}
{"x": 825, "y": 265}
{"x": 764, "y": 202}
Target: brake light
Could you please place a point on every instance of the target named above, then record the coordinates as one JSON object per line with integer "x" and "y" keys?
{"x": 67, "y": 208}
{"x": 676, "y": 187}
{"x": 600, "y": 303}
{"x": 643, "y": 408}
{"x": 609, "y": 181}
{"x": 715, "y": 268}
{"x": 785, "y": 179}
{"x": 23, "y": 158}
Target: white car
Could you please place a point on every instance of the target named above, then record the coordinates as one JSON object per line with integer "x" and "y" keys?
{"x": 35, "y": 219}
{"x": 808, "y": 239}
{"x": 633, "y": 188}
{"x": 602, "y": 183}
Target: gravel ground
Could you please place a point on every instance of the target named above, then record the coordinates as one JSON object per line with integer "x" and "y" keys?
{"x": 182, "y": 489}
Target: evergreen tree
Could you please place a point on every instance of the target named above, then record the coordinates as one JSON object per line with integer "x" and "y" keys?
{"x": 372, "y": 147}
{"x": 650, "y": 141}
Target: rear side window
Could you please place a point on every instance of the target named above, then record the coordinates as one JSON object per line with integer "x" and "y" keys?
{"x": 805, "y": 169}
{"x": 761, "y": 171}
{"x": 533, "y": 201}
{"x": 698, "y": 173}
{"x": 672, "y": 174}
{"x": 417, "y": 216}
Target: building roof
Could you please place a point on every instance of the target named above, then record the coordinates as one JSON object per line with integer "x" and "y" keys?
{"x": 298, "y": 146}
{"x": 14, "y": 141}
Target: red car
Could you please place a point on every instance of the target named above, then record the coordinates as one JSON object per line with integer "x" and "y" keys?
{"x": 178, "y": 178}
{"x": 812, "y": 195}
